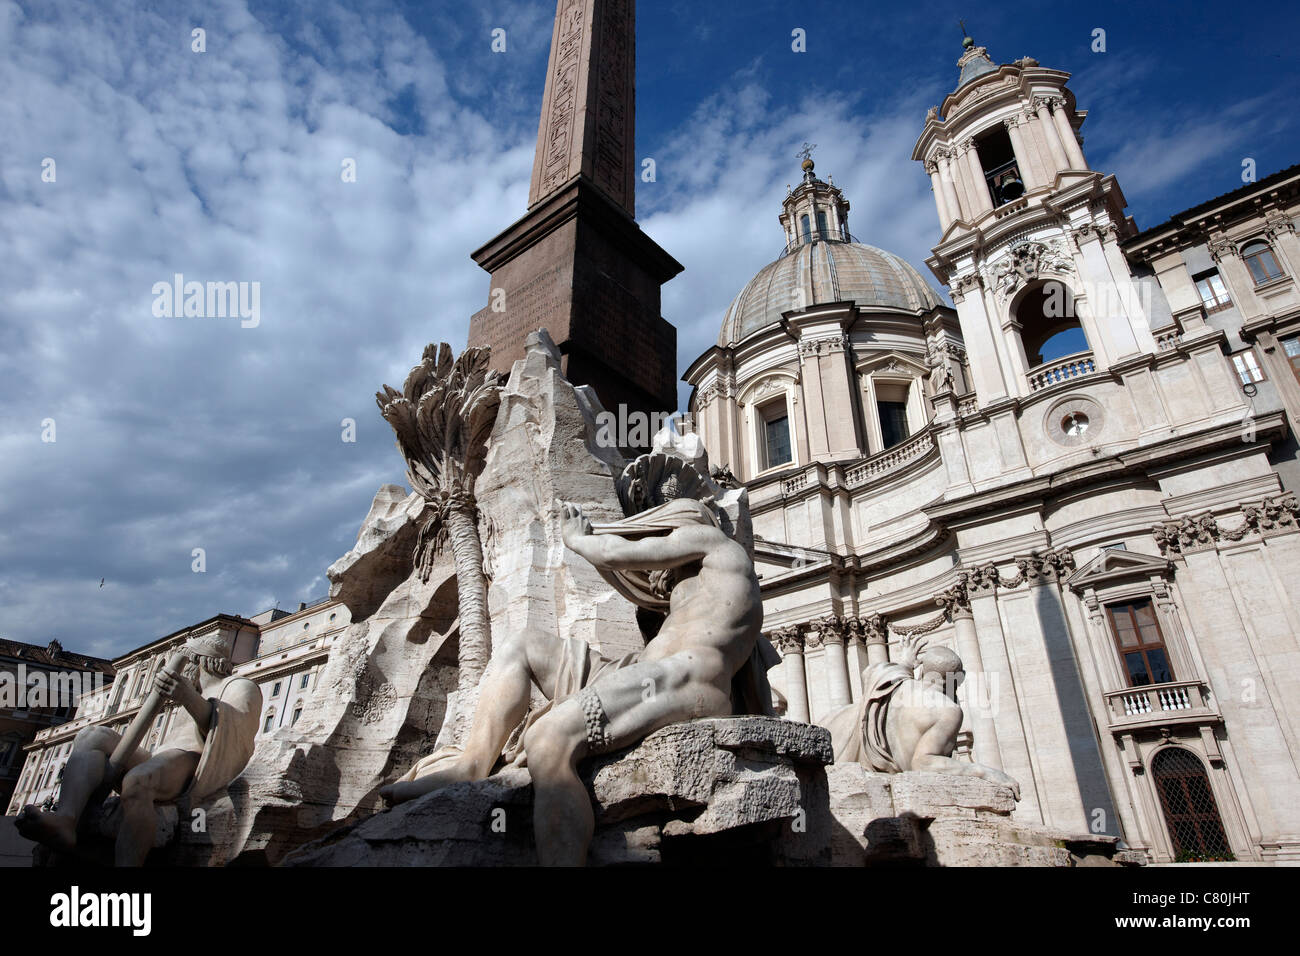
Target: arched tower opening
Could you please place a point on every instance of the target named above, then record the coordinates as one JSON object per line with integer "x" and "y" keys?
{"x": 1048, "y": 322}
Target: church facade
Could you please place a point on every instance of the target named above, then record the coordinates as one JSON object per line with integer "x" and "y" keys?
{"x": 1080, "y": 478}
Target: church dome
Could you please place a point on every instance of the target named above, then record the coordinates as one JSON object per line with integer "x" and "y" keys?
{"x": 826, "y": 271}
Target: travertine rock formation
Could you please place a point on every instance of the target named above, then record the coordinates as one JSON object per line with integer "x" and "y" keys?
{"x": 720, "y": 790}
{"x": 388, "y": 688}
{"x": 940, "y": 819}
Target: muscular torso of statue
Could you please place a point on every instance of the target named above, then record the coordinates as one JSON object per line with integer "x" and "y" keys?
{"x": 715, "y": 611}
{"x": 921, "y": 721}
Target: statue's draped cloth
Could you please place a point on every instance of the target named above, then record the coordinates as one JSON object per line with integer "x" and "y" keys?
{"x": 581, "y": 664}
{"x": 858, "y": 730}
{"x": 231, "y": 738}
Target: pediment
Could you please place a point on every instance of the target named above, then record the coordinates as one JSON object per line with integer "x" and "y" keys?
{"x": 891, "y": 362}
{"x": 1116, "y": 565}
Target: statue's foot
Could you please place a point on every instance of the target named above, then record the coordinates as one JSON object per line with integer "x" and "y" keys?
{"x": 450, "y": 772}
{"x": 405, "y": 790}
{"x": 54, "y": 830}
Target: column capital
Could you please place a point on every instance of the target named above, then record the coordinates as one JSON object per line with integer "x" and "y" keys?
{"x": 1220, "y": 248}
{"x": 1278, "y": 224}
{"x": 788, "y": 640}
{"x": 982, "y": 579}
{"x": 964, "y": 285}
{"x": 854, "y": 632}
{"x": 955, "y": 601}
{"x": 876, "y": 627}
{"x": 830, "y": 630}
{"x": 1042, "y": 567}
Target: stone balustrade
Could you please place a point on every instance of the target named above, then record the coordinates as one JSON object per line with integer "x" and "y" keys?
{"x": 890, "y": 459}
{"x": 1179, "y": 701}
{"x": 1064, "y": 370}
{"x": 1168, "y": 339}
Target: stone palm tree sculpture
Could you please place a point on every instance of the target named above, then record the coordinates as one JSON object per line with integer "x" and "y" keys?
{"x": 442, "y": 418}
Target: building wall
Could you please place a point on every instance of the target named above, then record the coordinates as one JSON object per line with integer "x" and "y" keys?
{"x": 63, "y": 679}
{"x": 1005, "y": 531}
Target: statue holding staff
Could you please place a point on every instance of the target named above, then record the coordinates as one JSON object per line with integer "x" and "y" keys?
{"x": 209, "y": 744}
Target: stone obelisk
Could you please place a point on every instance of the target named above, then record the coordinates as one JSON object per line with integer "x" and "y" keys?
{"x": 577, "y": 264}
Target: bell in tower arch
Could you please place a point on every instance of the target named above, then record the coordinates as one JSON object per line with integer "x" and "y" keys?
{"x": 1010, "y": 186}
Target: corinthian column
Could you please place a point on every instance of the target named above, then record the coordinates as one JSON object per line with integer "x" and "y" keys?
{"x": 979, "y": 186}
{"x": 1069, "y": 138}
{"x": 877, "y": 629}
{"x": 1022, "y": 153}
{"x": 837, "y": 672}
{"x": 948, "y": 182}
{"x": 977, "y": 692}
{"x": 940, "y": 200}
{"x": 789, "y": 641}
{"x": 1050, "y": 133}
{"x": 856, "y": 653}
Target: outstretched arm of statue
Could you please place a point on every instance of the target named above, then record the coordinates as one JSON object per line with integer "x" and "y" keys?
{"x": 612, "y": 552}
{"x": 176, "y": 689}
{"x": 936, "y": 744}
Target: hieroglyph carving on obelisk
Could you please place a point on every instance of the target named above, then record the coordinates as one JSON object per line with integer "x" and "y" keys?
{"x": 588, "y": 112}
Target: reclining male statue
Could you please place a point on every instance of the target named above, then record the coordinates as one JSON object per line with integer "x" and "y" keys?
{"x": 906, "y": 723}
{"x": 674, "y": 556}
{"x": 210, "y": 742}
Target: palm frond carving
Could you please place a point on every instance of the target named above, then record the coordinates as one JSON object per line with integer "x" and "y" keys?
{"x": 442, "y": 418}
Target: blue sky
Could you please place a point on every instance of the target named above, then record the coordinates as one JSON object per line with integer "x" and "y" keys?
{"x": 177, "y": 433}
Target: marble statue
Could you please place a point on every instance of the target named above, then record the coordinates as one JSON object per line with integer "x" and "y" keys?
{"x": 210, "y": 742}
{"x": 908, "y": 717}
{"x": 941, "y": 377}
{"x": 672, "y": 558}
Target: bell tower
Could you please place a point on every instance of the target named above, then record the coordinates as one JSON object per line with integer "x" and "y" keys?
{"x": 1029, "y": 243}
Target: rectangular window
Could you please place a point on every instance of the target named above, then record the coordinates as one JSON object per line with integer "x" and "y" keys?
{"x": 1261, "y": 262}
{"x": 270, "y": 720}
{"x": 275, "y": 689}
{"x": 1247, "y": 367}
{"x": 1214, "y": 295}
{"x": 1140, "y": 642}
{"x": 893, "y": 422}
{"x": 297, "y": 712}
{"x": 1292, "y": 348}
{"x": 306, "y": 679}
{"x": 776, "y": 435}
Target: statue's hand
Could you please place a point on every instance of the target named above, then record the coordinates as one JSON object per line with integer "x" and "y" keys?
{"x": 574, "y": 523}
{"x": 910, "y": 650}
{"x": 168, "y": 685}
{"x": 997, "y": 776}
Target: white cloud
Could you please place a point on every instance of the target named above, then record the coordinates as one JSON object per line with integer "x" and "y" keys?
{"x": 182, "y": 433}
